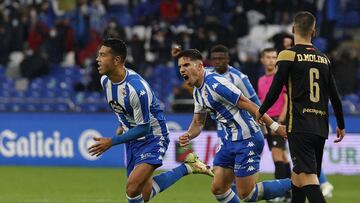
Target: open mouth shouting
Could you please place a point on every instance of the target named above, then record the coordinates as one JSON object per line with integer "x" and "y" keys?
{"x": 186, "y": 77}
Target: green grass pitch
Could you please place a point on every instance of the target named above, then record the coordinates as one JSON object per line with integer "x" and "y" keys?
{"x": 107, "y": 185}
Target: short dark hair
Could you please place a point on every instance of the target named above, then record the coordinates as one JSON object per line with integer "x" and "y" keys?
{"x": 266, "y": 50}
{"x": 304, "y": 21}
{"x": 220, "y": 48}
{"x": 193, "y": 54}
{"x": 118, "y": 47}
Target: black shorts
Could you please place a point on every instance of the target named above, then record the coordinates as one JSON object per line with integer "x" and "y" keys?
{"x": 306, "y": 152}
{"x": 275, "y": 141}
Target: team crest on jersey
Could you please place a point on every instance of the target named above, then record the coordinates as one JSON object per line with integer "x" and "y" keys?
{"x": 117, "y": 107}
{"x": 123, "y": 91}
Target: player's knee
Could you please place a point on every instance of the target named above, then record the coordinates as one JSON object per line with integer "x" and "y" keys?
{"x": 245, "y": 193}
{"x": 242, "y": 194}
{"x": 217, "y": 189}
{"x": 133, "y": 188}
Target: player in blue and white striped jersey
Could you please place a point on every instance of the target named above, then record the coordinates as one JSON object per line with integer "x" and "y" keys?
{"x": 219, "y": 56}
{"x": 238, "y": 156}
{"x": 144, "y": 126}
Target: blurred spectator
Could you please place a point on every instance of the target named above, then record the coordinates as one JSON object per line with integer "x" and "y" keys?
{"x": 34, "y": 65}
{"x": 345, "y": 67}
{"x": 169, "y": 10}
{"x": 114, "y": 29}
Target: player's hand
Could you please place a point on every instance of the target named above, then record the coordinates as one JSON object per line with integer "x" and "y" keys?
{"x": 175, "y": 51}
{"x": 258, "y": 118}
{"x": 101, "y": 145}
{"x": 340, "y": 134}
{"x": 184, "y": 139}
{"x": 119, "y": 130}
{"x": 282, "y": 131}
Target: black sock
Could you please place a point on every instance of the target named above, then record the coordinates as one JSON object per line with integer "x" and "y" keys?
{"x": 298, "y": 195}
{"x": 279, "y": 170}
{"x": 313, "y": 194}
{"x": 287, "y": 170}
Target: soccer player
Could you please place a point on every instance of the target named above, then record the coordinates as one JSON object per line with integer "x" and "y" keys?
{"x": 238, "y": 155}
{"x": 219, "y": 56}
{"x": 143, "y": 122}
{"x": 306, "y": 73}
{"x": 277, "y": 112}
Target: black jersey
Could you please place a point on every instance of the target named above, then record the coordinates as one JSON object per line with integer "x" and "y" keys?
{"x": 306, "y": 73}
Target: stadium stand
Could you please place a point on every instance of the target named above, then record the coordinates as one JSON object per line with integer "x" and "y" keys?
{"x": 64, "y": 36}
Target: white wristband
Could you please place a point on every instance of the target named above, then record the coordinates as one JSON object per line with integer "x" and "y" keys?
{"x": 274, "y": 126}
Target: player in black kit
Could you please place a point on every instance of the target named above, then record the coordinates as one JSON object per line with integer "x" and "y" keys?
{"x": 306, "y": 73}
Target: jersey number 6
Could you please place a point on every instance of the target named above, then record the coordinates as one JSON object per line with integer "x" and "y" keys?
{"x": 314, "y": 86}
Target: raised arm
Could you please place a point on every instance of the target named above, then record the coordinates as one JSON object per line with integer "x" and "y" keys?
{"x": 196, "y": 126}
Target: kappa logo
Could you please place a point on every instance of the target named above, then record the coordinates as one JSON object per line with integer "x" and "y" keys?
{"x": 251, "y": 153}
{"x": 251, "y": 144}
{"x": 250, "y": 168}
{"x": 250, "y": 160}
{"x": 142, "y": 93}
{"x": 215, "y": 85}
{"x": 161, "y": 150}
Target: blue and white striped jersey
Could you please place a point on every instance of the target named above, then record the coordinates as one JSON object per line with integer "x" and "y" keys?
{"x": 134, "y": 103}
{"x": 219, "y": 96}
{"x": 241, "y": 81}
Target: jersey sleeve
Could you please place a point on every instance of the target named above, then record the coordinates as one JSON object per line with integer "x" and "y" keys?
{"x": 140, "y": 100}
{"x": 335, "y": 100}
{"x": 284, "y": 62}
{"x": 248, "y": 90}
{"x": 227, "y": 91}
{"x": 198, "y": 107}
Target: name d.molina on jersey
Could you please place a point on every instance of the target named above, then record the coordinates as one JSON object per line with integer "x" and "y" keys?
{"x": 306, "y": 73}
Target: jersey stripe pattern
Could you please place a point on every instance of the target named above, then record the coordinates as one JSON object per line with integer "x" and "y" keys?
{"x": 219, "y": 97}
{"x": 134, "y": 103}
{"x": 241, "y": 81}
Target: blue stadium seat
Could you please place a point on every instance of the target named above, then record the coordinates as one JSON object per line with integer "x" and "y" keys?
{"x": 31, "y": 107}
{"x": 349, "y": 107}
{"x": 61, "y": 107}
{"x": 89, "y": 107}
{"x": 4, "y": 107}
{"x": 353, "y": 98}
{"x": 33, "y": 93}
{"x": 49, "y": 93}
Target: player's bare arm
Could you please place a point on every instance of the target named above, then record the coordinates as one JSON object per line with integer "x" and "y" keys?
{"x": 196, "y": 126}
{"x": 245, "y": 103}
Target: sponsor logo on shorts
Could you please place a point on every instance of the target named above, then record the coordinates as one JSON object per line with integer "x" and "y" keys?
{"x": 147, "y": 156}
